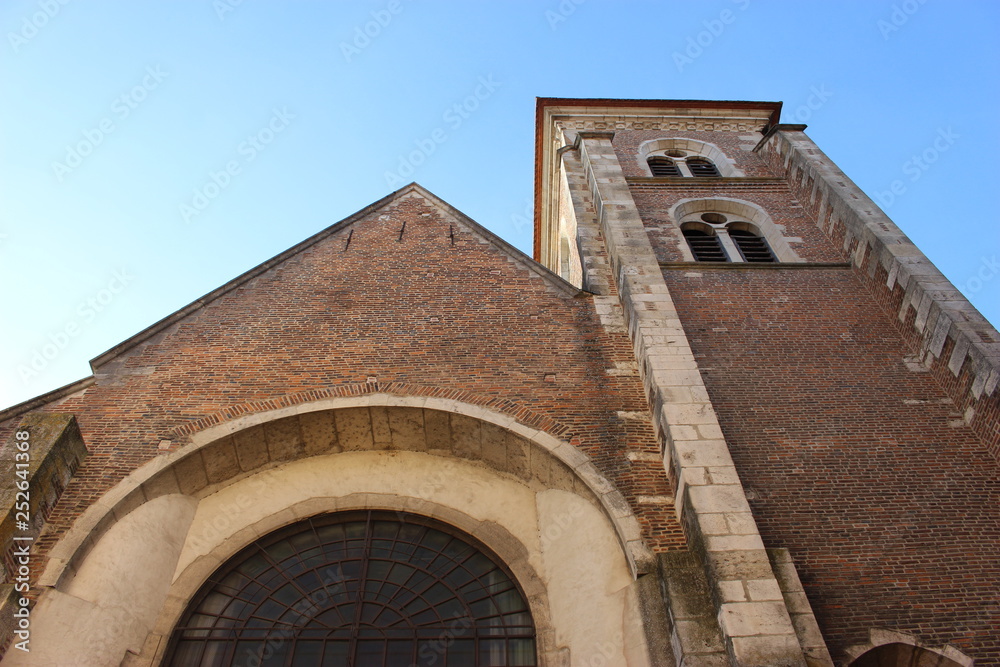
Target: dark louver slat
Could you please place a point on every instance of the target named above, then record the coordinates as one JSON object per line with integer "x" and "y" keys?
{"x": 705, "y": 248}
{"x": 702, "y": 167}
{"x": 662, "y": 166}
{"x": 753, "y": 248}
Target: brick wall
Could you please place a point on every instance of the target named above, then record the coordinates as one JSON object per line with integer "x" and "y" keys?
{"x": 859, "y": 402}
{"x": 865, "y": 456}
{"x": 861, "y": 467}
{"x": 950, "y": 337}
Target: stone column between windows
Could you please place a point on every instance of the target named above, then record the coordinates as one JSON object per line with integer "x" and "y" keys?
{"x": 729, "y": 245}
{"x": 710, "y": 497}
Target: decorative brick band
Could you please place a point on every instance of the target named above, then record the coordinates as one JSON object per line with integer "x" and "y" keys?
{"x": 510, "y": 408}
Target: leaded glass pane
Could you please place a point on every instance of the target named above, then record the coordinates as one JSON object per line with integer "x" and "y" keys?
{"x": 363, "y": 588}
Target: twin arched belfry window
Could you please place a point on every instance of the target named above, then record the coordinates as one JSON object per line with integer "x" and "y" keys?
{"x": 359, "y": 589}
{"x": 716, "y": 239}
{"x": 675, "y": 163}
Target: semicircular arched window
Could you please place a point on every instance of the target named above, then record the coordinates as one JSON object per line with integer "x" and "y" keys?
{"x": 358, "y": 589}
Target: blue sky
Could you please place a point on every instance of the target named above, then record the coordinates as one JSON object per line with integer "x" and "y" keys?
{"x": 152, "y": 151}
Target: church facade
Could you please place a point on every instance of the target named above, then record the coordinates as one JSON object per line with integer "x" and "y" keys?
{"x": 728, "y": 414}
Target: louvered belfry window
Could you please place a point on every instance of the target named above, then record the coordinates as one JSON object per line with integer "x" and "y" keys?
{"x": 699, "y": 166}
{"x": 753, "y": 248}
{"x": 663, "y": 166}
{"x": 705, "y": 247}
{"x": 358, "y": 589}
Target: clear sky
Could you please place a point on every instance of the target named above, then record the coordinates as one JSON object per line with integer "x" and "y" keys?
{"x": 152, "y": 151}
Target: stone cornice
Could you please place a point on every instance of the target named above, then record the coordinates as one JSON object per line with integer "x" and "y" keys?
{"x": 746, "y": 266}
{"x": 681, "y": 123}
{"x": 688, "y": 181}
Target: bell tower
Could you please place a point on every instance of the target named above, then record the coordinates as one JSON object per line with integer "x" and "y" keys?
{"x": 807, "y": 369}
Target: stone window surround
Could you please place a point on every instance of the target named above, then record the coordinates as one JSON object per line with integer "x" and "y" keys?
{"x": 878, "y": 637}
{"x": 502, "y": 542}
{"x": 693, "y": 148}
{"x": 739, "y": 214}
{"x": 721, "y": 230}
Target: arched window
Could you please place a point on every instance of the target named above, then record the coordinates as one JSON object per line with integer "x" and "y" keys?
{"x": 700, "y": 166}
{"x": 384, "y": 589}
{"x": 692, "y": 157}
{"x": 745, "y": 230}
{"x": 753, "y": 248}
{"x": 663, "y": 166}
{"x": 704, "y": 246}
{"x": 892, "y": 655}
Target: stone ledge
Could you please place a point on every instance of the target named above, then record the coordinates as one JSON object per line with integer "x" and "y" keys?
{"x": 747, "y": 266}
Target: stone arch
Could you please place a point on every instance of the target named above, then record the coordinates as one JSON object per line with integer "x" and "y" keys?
{"x": 735, "y": 211}
{"x": 888, "y": 648}
{"x": 699, "y": 226}
{"x": 191, "y": 576}
{"x": 425, "y": 433}
{"x": 694, "y": 148}
{"x": 211, "y": 459}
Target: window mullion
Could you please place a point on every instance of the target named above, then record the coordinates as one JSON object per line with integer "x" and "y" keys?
{"x": 729, "y": 246}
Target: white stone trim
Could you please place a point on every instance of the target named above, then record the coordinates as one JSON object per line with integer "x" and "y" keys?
{"x": 694, "y": 148}
{"x": 130, "y": 492}
{"x": 880, "y": 637}
{"x": 735, "y": 210}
